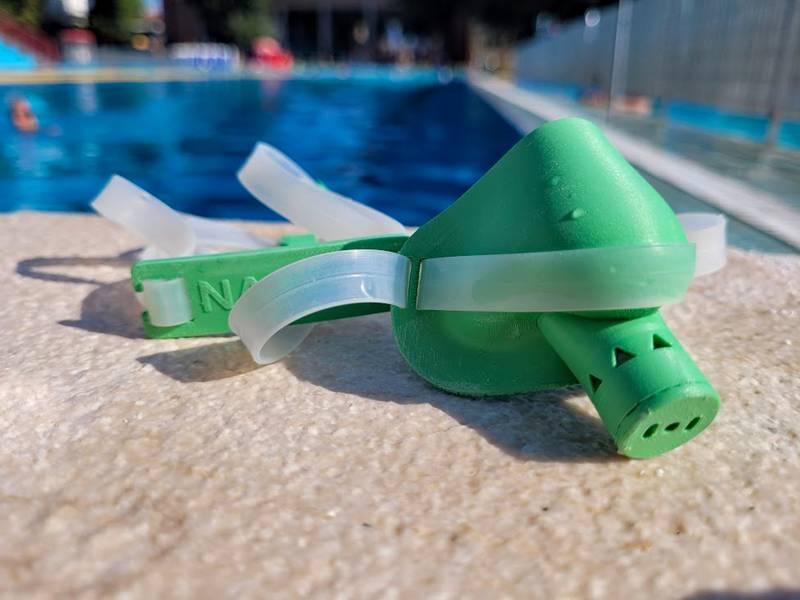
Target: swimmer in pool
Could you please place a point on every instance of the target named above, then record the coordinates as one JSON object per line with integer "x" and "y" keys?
{"x": 22, "y": 116}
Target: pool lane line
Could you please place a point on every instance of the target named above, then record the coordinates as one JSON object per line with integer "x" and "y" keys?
{"x": 764, "y": 211}
{"x": 127, "y": 75}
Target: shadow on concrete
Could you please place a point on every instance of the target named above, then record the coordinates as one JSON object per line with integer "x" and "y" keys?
{"x": 359, "y": 357}
{"x": 110, "y": 308}
{"x": 204, "y": 363}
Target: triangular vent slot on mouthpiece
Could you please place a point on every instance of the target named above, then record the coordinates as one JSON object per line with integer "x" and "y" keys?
{"x": 621, "y": 357}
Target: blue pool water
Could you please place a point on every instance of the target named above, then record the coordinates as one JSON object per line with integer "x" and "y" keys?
{"x": 408, "y": 146}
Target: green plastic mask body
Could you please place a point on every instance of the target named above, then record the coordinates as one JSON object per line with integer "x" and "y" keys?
{"x": 561, "y": 187}
{"x": 530, "y": 201}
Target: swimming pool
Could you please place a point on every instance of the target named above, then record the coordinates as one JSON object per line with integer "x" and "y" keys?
{"x": 408, "y": 145}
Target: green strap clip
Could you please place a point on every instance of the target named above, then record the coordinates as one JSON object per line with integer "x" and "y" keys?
{"x": 192, "y": 296}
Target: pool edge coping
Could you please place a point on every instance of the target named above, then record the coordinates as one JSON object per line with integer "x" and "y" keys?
{"x": 757, "y": 208}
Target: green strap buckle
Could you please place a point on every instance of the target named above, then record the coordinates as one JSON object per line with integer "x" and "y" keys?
{"x": 192, "y": 296}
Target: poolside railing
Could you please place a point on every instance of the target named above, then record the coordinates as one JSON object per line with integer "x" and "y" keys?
{"x": 735, "y": 57}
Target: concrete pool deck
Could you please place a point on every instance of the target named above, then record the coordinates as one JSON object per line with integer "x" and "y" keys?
{"x": 145, "y": 468}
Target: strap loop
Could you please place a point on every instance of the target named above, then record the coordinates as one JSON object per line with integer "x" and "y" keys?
{"x": 707, "y": 232}
{"x": 263, "y": 316}
{"x": 166, "y": 301}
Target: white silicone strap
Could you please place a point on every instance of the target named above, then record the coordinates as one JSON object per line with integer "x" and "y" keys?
{"x": 275, "y": 179}
{"x": 137, "y": 211}
{"x": 608, "y": 278}
{"x": 213, "y": 235}
{"x": 530, "y": 282}
{"x": 263, "y": 316}
{"x": 167, "y": 232}
{"x": 707, "y": 231}
{"x": 284, "y": 187}
{"x": 166, "y": 301}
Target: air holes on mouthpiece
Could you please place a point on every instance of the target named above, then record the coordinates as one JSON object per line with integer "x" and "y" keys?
{"x": 595, "y": 382}
{"x": 659, "y": 342}
{"x": 650, "y": 430}
{"x": 691, "y": 425}
{"x": 621, "y": 357}
{"x": 672, "y": 426}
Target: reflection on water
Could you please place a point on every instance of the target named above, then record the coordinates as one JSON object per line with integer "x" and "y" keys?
{"x": 407, "y": 147}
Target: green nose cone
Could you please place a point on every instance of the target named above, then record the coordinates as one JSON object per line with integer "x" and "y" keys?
{"x": 561, "y": 187}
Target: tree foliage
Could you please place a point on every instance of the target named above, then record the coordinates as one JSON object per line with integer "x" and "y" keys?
{"x": 114, "y": 21}
{"x": 27, "y": 11}
{"x": 235, "y": 21}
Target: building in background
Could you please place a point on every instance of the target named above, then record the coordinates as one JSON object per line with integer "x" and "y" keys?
{"x": 336, "y": 29}
{"x": 183, "y": 22}
{"x": 398, "y": 31}
{"x": 325, "y": 30}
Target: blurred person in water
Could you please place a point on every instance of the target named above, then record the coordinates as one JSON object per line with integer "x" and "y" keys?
{"x": 22, "y": 116}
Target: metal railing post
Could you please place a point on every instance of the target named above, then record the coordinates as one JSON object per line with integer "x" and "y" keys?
{"x": 790, "y": 45}
{"x": 619, "y": 61}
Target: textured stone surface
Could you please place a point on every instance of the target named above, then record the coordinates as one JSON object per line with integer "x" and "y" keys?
{"x": 151, "y": 468}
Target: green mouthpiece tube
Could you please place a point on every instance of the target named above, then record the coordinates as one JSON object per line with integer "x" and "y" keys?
{"x": 648, "y": 391}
